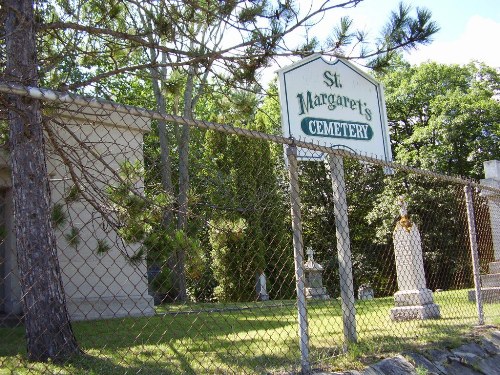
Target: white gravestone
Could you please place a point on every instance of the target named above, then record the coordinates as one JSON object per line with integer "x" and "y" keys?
{"x": 260, "y": 287}
{"x": 490, "y": 283}
{"x": 314, "y": 278}
{"x": 365, "y": 292}
{"x": 413, "y": 300}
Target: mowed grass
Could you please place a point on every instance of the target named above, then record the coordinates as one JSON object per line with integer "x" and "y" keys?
{"x": 248, "y": 338}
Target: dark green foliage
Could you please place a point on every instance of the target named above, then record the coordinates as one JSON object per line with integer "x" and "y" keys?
{"x": 402, "y": 32}
{"x": 72, "y": 194}
{"x": 102, "y": 246}
{"x": 58, "y": 216}
{"x": 73, "y": 237}
{"x": 138, "y": 215}
{"x": 241, "y": 183}
{"x": 162, "y": 283}
{"x": 236, "y": 258}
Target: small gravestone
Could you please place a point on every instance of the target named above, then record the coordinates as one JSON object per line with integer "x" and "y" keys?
{"x": 413, "y": 300}
{"x": 314, "y": 278}
{"x": 365, "y": 292}
{"x": 260, "y": 287}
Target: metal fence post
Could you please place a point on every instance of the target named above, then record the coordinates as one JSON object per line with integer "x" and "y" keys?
{"x": 474, "y": 252}
{"x": 291, "y": 153}
{"x": 343, "y": 248}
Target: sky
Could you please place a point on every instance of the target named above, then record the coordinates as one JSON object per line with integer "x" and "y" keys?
{"x": 469, "y": 29}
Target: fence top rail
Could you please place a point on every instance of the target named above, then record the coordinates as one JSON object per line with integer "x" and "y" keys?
{"x": 70, "y": 98}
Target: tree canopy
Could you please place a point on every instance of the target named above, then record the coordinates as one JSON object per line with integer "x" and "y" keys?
{"x": 444, "y": 117}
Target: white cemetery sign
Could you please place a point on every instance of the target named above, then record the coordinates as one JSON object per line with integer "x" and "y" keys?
{"x": 333, "y": 104}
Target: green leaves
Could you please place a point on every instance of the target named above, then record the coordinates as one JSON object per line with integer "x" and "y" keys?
{"x": 444, "y": 117}
{"x": 343, "y": 34}
{"x": 58, "y": 216}
{"x": 138, "y": 215}
{"x": 73, "y": 236}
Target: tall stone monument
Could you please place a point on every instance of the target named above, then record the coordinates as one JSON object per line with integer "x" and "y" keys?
{"x": 413, "y": 300}
{"x": 490, "y": 283}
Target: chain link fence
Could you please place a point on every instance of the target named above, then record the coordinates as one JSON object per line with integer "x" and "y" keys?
{"x": 223, "y": 253}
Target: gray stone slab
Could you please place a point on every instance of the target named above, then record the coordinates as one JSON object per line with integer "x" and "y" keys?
{"x": 488, "y": 295}
{"x": 371, "y": 371}
{"x": 455, "y": 367}
{"x": 395, "y": 366}
{"x": 474, "y": 358}
{"x": 466, "y": 358}
{"x": 422, "y": 361}
{"x": 430, "y": 311}
{"x": 490, "y": 280}
{"x": 439, "y": 357}
{"x": 494, "y": 267}
{"x": 352, "y": 372}
{"x": 417, "y": 297}
{"x": 490, "y": 365}
{"x": 470, "y": 349}
{"x": 495, "y": 338}
{"x": 489, "y": 347}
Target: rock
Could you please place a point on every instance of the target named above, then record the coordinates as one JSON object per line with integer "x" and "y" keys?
{"x": 495, "y": 338}
{"x": 489, "y": 347}
{"x": 371, "y": 371}
{"x": 421, "y": 361}
{"x": 465, "y": 358}
{"x": 470, "y": 348}
{"x": 490, "y": 365}
{"x": 353, "y": 372}
{"x": 456, "y": 367}
{"x": 395, "y": 366}
{"x": 439, "y": 358}
{"x": 474, "y": 358}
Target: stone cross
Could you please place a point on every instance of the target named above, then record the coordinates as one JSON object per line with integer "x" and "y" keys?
{"x": 403, "y": 206}
{"x": 310, "y": 253}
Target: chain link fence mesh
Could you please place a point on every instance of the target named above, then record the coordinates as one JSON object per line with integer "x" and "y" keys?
{"x": 183, "y": 262}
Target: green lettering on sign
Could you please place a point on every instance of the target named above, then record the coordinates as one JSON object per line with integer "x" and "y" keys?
{"x": 336, "y": 129}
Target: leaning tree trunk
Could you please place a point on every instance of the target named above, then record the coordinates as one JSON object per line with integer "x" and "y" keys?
{"x": 48, "y": 329}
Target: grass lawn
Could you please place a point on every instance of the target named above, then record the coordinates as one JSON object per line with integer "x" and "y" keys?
{"x": 246, "y": 338}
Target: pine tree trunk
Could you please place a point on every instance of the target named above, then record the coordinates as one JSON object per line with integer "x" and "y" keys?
{"x": 179, "y": 271}
{"x": 48, "y": 329}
